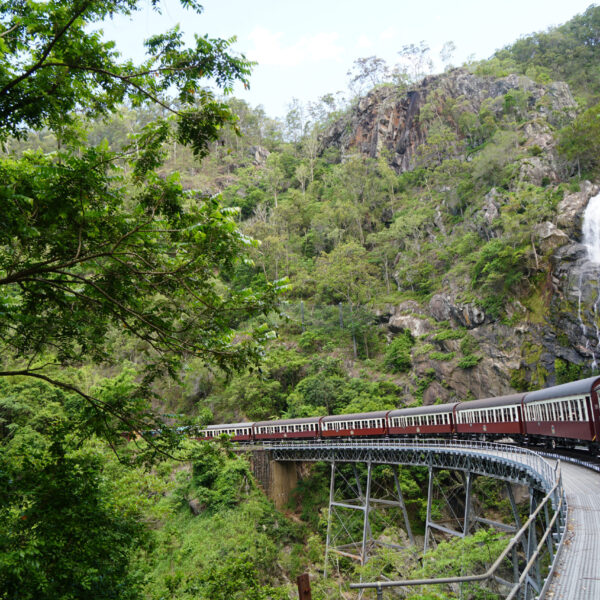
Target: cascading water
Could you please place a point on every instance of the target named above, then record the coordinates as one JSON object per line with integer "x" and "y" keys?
{"x": 591, "y": 228}
{"x": 591, "y": 240}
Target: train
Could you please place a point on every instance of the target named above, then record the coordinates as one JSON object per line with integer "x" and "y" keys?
{"x": 565, "y": 415}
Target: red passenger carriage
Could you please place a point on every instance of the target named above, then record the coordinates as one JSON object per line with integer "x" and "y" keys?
{"x": 295, "y": 429}
{"x": 568, "y": 412}
{"x": 422, "y": 420}
{"x": 490, "y": 417}
{"x": 355, "y": 425}
{"x": 239, "y": 432}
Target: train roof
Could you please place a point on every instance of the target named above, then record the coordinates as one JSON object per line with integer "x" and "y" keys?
{"x": 227, "y": 426}
{"x": 508, "y": 400}
{"x": 287, "y": 421}
{"x": 379, "y": 414}
{"x": 423, "y": 410}
{"x": 574, "y": 388}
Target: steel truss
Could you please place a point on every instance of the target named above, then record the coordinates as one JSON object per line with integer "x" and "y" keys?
{"x": 358, "y": 497}
{"x": 521, "y": 560}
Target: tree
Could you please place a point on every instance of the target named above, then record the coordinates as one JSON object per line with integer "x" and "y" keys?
{"x": 89, "y": 255}
{"x": 579, "y": 142}
{"x": 366, "y": 73}
{"x": 66, "y": 530}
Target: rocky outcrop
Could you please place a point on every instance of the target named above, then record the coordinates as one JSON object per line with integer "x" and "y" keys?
{"x": 467, "y": 315}
{"x": 259, "y": 155}
{"x": 548, "y": 237}
{"x": 389, "y": 118}
{"x": 509, "y": 357}
{"x": 571, "y": 208}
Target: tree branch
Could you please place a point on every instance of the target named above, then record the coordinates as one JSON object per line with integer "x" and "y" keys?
{"x": 46, "y": 52}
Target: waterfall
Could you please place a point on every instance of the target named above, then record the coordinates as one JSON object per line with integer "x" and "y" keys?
{"x": 591, "y": 228}
{"x": 591, "y": 240}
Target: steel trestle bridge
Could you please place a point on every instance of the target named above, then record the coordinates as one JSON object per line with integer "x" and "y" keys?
{"x": 522, "y": 571}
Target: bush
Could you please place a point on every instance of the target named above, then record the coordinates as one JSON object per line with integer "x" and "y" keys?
{"x": 397, "y": 354}
{"x": 468, "y": 361}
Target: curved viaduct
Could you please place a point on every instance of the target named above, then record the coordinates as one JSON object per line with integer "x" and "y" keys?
{"x": 563, "y": 527}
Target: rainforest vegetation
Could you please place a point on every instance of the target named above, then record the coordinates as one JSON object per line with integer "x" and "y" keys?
{"x": 172, "y": 256}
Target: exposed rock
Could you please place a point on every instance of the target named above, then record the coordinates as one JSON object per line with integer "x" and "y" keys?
{"x": 484, "y": 218}
{"x": 195, "y": 506}
{"x": 491, "y": 205}
{"x": 416, "y": 326}
{"x": 468, "y": 315}
{"x": 538, "y": 170}
{"x": 388, "y": 118}
{"x": 434, "y": 393}
{"x": 571, "y": 207}
{"x": 549, "y": 237}
{"x": 259, "y": 154}
{"x": 440, "y": 307}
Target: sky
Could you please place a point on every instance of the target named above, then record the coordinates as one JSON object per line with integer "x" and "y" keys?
{"x": 305, "y": 49}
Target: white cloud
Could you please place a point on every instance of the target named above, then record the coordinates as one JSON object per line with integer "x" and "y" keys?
{"x": 268, "y": 48}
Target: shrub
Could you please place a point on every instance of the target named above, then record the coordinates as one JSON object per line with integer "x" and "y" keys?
{"x": 468, "y": 361}
{"x": 397, "y": 354}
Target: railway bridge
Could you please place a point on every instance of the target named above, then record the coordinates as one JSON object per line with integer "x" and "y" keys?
{"x": 553, "y": 553}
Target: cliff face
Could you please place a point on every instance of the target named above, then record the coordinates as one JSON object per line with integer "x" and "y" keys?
{"x": 389, "y": 120}
{"x": 555, "y": 324}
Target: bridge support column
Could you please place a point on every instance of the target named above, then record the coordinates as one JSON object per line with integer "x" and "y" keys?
{"x": 349, "y": 496}
{"x": 467, "y": 518}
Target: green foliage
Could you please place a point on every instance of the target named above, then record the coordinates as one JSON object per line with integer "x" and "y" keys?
{"x": 519, "y": 380}
{"x": 88, "y": 247}
{"x": 226, "y": 553}
{"x": 449, "y": 334}
{"x": 567, "y": 371}
{"x": 445, "y": 356}
{"x": 566, "y": 53}
{"x": 312, "y": 340}
{"x": 468, "y": 361}
{"x": 66, "y": 530}
{"x": 397, "y": 354}
{"x": 579, "y": 142}
{"x": 494, "y": 164}
{"x": 468, "y": 347}
{"x": 472, "y": 554}
{"x": 66, "y": 67}
{"x": 498, "y": 269}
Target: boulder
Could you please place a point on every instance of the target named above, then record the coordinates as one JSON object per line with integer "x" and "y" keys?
{"x": 549, "y": 238}
{"x": 416, "y": 326}
{"x": 570, "y": 209}
{"x": 440, "y": 307}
